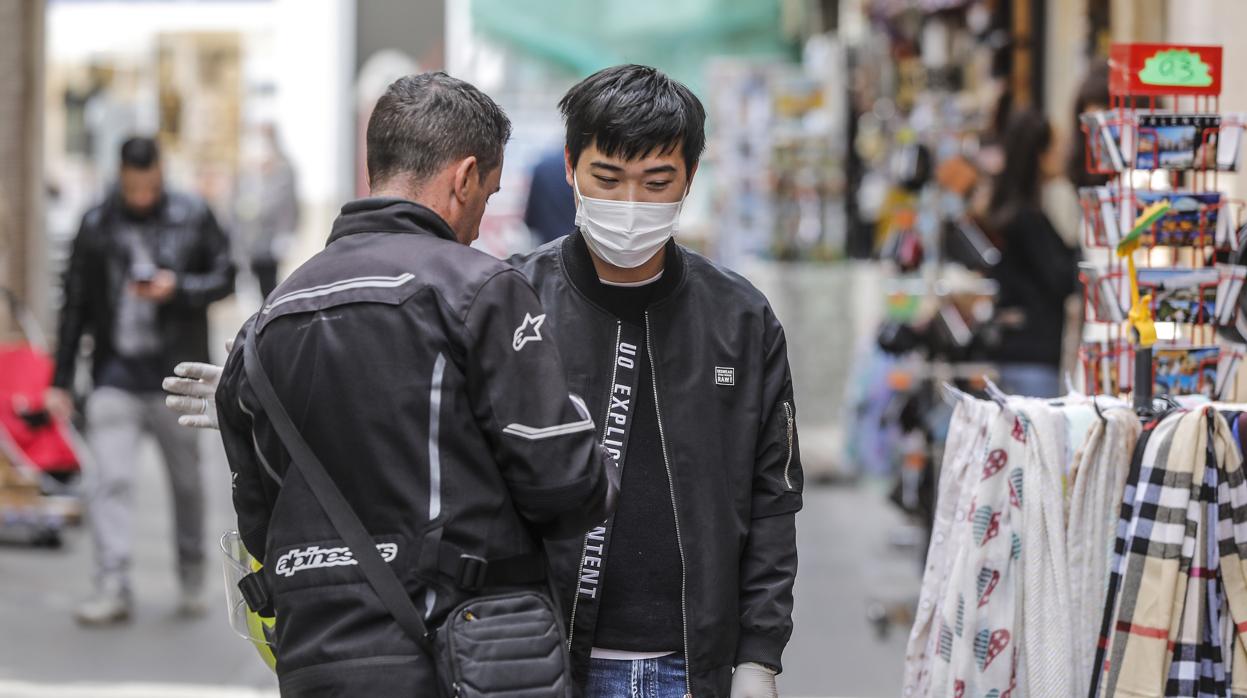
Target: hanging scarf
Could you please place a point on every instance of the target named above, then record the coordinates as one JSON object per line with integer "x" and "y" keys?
{"x": 965, "y": 444}
{"x": 1097, "y": 482}
{"x": 1180, "y": 568}
{"x": 975, "y": 628}
{"x": 1144, "y": 452}
{"x": 1231, "y": 523}
{"x": 1046, "y": 626}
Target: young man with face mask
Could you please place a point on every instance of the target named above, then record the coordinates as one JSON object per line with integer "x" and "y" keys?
{"x": 686, "y": 364}
{"x": 687, "y": 589}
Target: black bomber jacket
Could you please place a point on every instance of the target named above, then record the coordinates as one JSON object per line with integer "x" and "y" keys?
{"x": 728, "y": 429}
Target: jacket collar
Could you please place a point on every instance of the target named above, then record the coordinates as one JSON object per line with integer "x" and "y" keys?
{"x": 117, "y": 206}
{"x": 578, "y": 265}
{"x": 381, "y": 214}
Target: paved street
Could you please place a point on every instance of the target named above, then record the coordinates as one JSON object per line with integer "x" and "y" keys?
{"x": 845, "y": 565}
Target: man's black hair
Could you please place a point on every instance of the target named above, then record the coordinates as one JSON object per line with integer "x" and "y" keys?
{"x": 423, "y": 122}
{"x": 140, "y": 153}
{"x": 629, "y": 111}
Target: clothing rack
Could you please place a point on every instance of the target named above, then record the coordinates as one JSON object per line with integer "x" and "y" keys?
{"x": 1071, "y": 509}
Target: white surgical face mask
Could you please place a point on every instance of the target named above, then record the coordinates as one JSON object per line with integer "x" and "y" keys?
{"x": 626, "y": 234}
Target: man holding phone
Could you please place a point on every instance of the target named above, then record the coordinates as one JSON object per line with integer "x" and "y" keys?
{"x": 144, "y": 267}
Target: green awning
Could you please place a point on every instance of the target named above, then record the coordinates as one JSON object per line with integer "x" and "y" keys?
{"x": 676, "y": 36}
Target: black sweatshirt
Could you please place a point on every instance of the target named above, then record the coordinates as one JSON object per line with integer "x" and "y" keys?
{"x": 1037, "y": 272}
{"x": 640, "y": 607}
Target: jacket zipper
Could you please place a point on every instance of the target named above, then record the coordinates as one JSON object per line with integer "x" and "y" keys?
{"x": 788, "y": 463}
{"x": 584, "y": 551}
{"x": 675, "y": 513}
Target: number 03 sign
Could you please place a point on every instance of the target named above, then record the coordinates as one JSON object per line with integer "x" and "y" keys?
{"x": 1165, "y": 69}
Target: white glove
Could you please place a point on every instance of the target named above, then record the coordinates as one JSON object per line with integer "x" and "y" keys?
{"x": 753, "y": 681}
{"x": 192, "y": 392}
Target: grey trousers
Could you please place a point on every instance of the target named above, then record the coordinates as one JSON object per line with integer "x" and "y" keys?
{"x": 116, "y": 421}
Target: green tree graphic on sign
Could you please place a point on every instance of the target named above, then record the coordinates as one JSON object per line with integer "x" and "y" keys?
{"x": 1176, "y": 68}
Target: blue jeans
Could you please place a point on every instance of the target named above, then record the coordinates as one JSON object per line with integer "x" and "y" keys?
{"x": 641, "y": 678}
{"x": 1030, "y": 380}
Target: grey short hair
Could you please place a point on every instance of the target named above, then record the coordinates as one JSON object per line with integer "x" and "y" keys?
{"x": 423, "y": 122}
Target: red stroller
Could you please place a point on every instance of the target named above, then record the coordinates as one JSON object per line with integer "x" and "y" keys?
{"x": 39, "y": 460}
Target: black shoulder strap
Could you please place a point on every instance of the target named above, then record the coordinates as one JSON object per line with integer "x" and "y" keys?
{"x": 344, "y": 519}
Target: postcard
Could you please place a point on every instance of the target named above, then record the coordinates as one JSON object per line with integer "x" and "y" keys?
{"x": 1192, "y": 218}
{"x": 1181, "y": 295}
{"x": 1227, "y": 368}
{"x": 1230, "y": 142}
{"x": 1102, "y": 297}
{"x": 1186, "y": 371}
{"x": 1176, "y": 141}
{"x": 1229, "y": 287}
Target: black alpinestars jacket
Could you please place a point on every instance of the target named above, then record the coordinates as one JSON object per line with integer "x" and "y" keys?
{"x": 728, "y": 430}
{"x": 423, "y": 375}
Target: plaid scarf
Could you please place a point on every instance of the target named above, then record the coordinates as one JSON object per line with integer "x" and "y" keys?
{"x": 1178, "y": 591}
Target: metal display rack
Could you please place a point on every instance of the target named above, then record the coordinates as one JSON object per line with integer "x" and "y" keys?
{"x": 1162, "y": 97}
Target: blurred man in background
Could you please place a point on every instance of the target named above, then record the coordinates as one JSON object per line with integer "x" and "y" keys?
{"x": 145, "y": 265}
{"x": 266, "y": 209}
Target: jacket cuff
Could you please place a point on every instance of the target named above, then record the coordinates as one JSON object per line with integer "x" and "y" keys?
{"x": 760, "y": 649}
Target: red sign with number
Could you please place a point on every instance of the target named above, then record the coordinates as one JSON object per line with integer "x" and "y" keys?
{"x": 1164, "y": 69}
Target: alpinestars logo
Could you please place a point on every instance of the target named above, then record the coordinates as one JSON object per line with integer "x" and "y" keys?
{"x": 528, "y": 331}
{"x": 315, "y": 557}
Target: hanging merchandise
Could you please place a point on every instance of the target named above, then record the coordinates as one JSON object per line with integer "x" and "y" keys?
{"x": 1178, "y": 595}
{"x": 967, "y": 438}
{"x": 1021, "y": 594}
{"x": 1013, "y": 573}
{"x": 1156, "y": 308}
{"x": 1096, "y": 480}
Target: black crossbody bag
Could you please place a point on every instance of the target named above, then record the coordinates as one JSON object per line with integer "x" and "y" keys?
{"x": 489, "y": 647}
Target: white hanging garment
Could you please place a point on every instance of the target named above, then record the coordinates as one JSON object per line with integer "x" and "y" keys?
{"x": 967, "y": 437}
{"x": 1046, "y": 627}
{"x": 1097, "y": 482}
{"x": 976, "y": 650}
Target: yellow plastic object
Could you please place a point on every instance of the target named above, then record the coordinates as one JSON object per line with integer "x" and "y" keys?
{"x": 250, "y": 626}
{"x": 1146, "y": 220}
{"x": 260, "y": 630}
{"x": 1139, "y": 318}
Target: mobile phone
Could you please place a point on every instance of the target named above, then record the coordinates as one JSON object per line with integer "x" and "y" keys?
{"x": 143, "y": 273}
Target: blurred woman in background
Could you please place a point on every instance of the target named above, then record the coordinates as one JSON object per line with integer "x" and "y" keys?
{"x": 1037, "y": 270}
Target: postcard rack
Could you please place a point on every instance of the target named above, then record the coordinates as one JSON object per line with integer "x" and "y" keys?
{"x": 1163, "y": 141}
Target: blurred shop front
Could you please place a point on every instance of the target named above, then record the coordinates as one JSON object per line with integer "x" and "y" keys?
{"x": 207, "y": 77}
